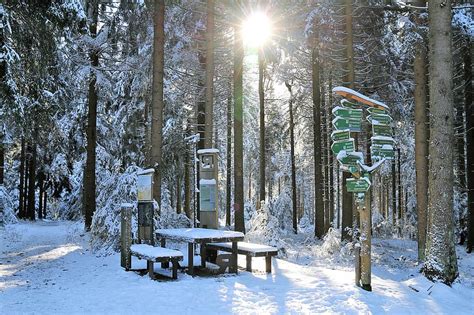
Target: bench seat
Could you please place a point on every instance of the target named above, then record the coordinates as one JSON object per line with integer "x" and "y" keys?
{"x": 249, "y": 250}
{"x": 154, "y": 254}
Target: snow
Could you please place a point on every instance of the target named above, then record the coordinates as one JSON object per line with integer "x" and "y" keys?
{"x": 197, "y": 233}
{"x": 48, "y": 268}
{"x": 385, "y": 138}
{"x": 207, "y": 151}
{"x": 350, "y": 91}
{"x": 154, "y": 251}
{"x": 251, "y": 247}
{"x": 343, "y": 153}
{"x": 145, "y": 172}
{"x": 207, "y": 181}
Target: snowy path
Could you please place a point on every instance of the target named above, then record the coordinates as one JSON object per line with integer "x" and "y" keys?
{"x": 46, "y": 268}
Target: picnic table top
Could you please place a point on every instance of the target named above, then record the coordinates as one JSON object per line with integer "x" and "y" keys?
{"x": 199, "y": 235}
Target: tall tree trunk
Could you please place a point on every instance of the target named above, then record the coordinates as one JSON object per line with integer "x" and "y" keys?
{"x": 157, "y": 96}
{"x": 318, "y": 185}
{"x": 293, "y": 164}
{"x": 238, "y": 130}
{"x": 25, "y": 185}
{"x": 41, "y": 192}
{"x": 330, "y": 155}
{"x": 441, "y": 260}
{"x": 2, "y": 156}
{"x": 468, "y": 104}
{"x": 261, "y": 97}
{"x": 394, "y": 192}
{"x": 89, "y": 184}
{"x": 45, "y": 201}
{"x": 31, "y": 183}
{"x": 325, "y": 145}
{"x": 209, "y": 73}
{"x": 349, "y": 78}
{"x": 228, "y": 190}
{"x": 178, "y": 194}
{"x": 421, "y": 138}
{"x": 187, "y": 187}
{"x": 399, "y": 181}
{"x": 21, "y": 208}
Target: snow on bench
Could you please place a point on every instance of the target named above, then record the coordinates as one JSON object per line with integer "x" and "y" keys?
{"x": 249, "y": 250}
{"x": 157, "y": 254}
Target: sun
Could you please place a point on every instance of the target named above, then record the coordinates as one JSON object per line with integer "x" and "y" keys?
{"x": 256, "y": 29}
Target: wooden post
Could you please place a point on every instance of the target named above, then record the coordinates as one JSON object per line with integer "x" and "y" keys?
{"x": 233, "y": 265}
{"x": 357, "y": 252}
{"x": 365, "y": 243}
{"x": 125, "y": 236}
{"x": 191, "y": 259}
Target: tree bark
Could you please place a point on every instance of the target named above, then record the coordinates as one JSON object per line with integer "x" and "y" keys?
{"x": 41, "y": 192}
{"x": 261, "y": 97}
{"x": 2, "y": 156}
{"x": 187, "y": 187}
{"x": 209, "y": 73}
{"x": 318, "y": 187}
{"x": 157, "y": 96}
{"x": 349, "y": 78}
{"x": 421, "y": 139}
{"x": 89, "y": 184}
{"x": 31, "y": 183}
{"x": 178, "y": 194}
{"x": 238, "y": 130}
{"x": 441, "y": 260}
{"x": 468, "y": 105}
{"x": 228, "y": 191}
{"x": 21, "y": 208}
{"x": 293, "y": 166}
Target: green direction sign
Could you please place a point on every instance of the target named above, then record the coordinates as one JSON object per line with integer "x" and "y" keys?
{"x": 354, "y": 125}
{"x": 346, "y": 103}
{"x": 381, "y": 140}
{"x": 373, "y": 110}
{"x": 382, "y": 130}
{"x": 383, "y": 119}
{"x": 379, "y": 152}
{"x": 353, "y": 169}
{"x": 360, "y": 185}
{"x": 340, "y": 135}
{"x": 347, "y": 145}
{"x": 350, "y": 158}
{"x": 347, "y": 113}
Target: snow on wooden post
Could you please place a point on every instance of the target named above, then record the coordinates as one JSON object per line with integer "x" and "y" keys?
{"x": 2, "y": 208}
{"x": 126, "y": 235}
{"x": 208, "y": 187}
{"x": 145, "y": 205}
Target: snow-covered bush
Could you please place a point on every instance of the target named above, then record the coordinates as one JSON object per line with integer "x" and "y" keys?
{"x": 8, "y": 209}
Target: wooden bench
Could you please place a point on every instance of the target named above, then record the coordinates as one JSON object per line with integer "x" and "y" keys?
{"x": 154, "y": 254}
{"x": 249, "y": 250}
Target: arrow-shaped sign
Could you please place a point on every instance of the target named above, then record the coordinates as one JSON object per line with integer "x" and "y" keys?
{"x": 381, "y": 130}
{"x": 378, "y": 152}
{"x": 338, "y": 135}
{"x": 382, "y": 140}
{"x": 343, "y": 145}
{"x": 383, "y": 119}
{"x": 340, "y": 123}
{"x": 360, "y": 185}
{"x": 347, "y": 113}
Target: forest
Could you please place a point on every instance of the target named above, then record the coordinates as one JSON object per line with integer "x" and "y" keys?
{"x": 94, "y": 93}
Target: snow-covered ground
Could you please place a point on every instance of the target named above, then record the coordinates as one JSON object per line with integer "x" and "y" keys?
{"x": 47, "y": 268}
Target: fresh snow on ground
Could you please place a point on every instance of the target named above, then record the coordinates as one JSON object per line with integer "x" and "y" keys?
{"x": 48, "y": 268}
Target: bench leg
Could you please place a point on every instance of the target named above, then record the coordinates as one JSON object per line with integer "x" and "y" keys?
{"x": 191, "y": 259}
{"x": 175, "y": 269}
{"x": 151, "y": 272}
{"x": 249, "y": 263}
{"x": 268, "y": 264}
{"x": 233, "y": 259}
{"x": 164, "y": 265}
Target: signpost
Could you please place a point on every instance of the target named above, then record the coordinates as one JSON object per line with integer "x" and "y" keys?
{"x": 208, "y": 188}
{"x": 347, "y": 119}
{"x": 145, "y": 205}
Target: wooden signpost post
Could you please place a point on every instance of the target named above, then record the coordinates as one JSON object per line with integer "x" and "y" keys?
{"x": 348, "y": 118}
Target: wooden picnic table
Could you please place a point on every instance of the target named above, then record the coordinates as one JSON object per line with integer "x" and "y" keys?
{"x": 201, "y": 236}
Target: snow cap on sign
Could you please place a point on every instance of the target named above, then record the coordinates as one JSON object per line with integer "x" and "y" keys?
{"x": 207, "y": 151}
{"x": 145, "y": 172}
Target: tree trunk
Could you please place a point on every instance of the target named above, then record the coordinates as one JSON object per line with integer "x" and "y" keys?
{"x": 349, "y": 78}
{"x": 238, "y": 131}
{"x": 157, "y": 96}
{"x": 41, "y": 192}
{"x": 441, "y": 260}
{"x": 330, "y": 155}
{"x": 325, "y": 145}
{"x": 394, "y": 193}
{"x": 89, "y": 184}
{"x": 209, "y": 73}
{"x": 178, "y": 194}
{"x": 187, "y": 187}
{"x": 25, "y": 186}
{"x": 261, "y": 95}
{"x": 421, "y": 139}
{"x": 318, "y": 186}
{"x": 2, "y": 156}
{"x": 399, "y": 181}
{"x": 468, "y": 100}
{"x": 21, "y": 208}
{"x": 293, "y": 167}
{"x": 31, "y": 183}
{"x": 228, "y": 182}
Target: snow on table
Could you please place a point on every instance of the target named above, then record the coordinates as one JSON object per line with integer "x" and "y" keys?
{"x": 151, "y": 252}
{"x": 249, "y": 247}
{"x": 199, "y": 235}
